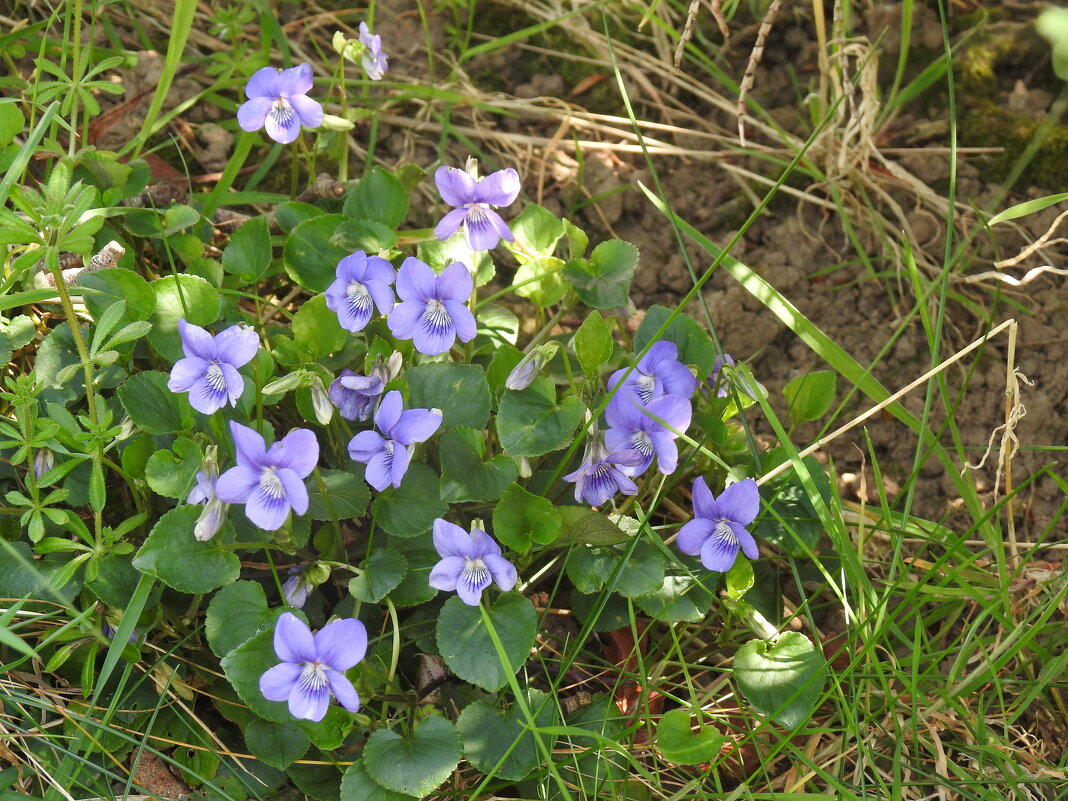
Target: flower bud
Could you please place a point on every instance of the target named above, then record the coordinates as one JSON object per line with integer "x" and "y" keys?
{"x": 321, "y": 405}
{"x": 525, "y": 470}
{"x": 210, "y": 520}
{"x": 524, "y": 373}
{"x": 287, "y": 382}
{"x": 332, "y": 122}
{"x": 43, "y": 461}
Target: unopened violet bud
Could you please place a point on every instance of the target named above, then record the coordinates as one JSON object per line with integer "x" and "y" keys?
{"x": 43, "y": 461}
{"x": 324, "y": 410}
{"x": 296, "y": 588}
{"x": 288, "y": 382}
{"x": 210, "y": 520}
{"x": 525, "y": 470}
{"x": 524, "y": 373}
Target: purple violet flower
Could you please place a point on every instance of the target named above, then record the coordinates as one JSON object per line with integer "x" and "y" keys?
{"x": 278, "y": 101}
{"x": 475, "y": 199}
{"x": 313, "y": 667}
{"x": 433, "y": 313}
{"x": 387, "y": 457}
{"x": 362, "y": 282}
{"x": 373, "y": 60}
{"x": 600, "y": 476}
{"x": 658, "y": 372}
{"x": 269, "y": 482}
{"x": 633, "y": 425}
{"x": 209, "y": 370}
{"x": 469, "y": 562}
{"x": 714, "y": 382}
{"x": 718, "y": 528}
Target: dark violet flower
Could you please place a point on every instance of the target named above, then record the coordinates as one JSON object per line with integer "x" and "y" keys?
{"x": 362, "y": 282}
{"x": 600, "y": 476}
{"x": 469, "y": 562}
{"x": 109, "y": 631}
{"x": 432, "y": 313}
{"x": 313, "y": 667}
{"x": 373, "y": 60}
{"x": 355, "y": 395}
{"x": 269, "y": 482}
{"x": 714, "y": 382}
{"x": 209, "y": 370}
{"x": 634, "y": 425}
{"x": 475, "y": 199}
{"x": 278, "y": 101}
{"x": 387, "y": 455}
{"x": 718, "y": 528}
{"x": 658, "y": 372}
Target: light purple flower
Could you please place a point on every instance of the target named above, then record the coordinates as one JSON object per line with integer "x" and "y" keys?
{"x": 355, "y": 395}
{"x": 269, "y": 482}
{"x": 469, "y": 562}
{"x": 278, "y": 101}
{"x": 362, "y": 282}
{"x": 658, "y": 372}
{"x": 718, "y": 528}
{"x": 600, "y": 476}
{"x": 313, "y": 667}
{"x": 714, "y": 382}
{"x": 476, "y": 198}
{"x": 374, "y": 61}
{"x": 209, "y": 370}
{"x": 433, "y": 313}
{"x": 387, "y": 457}
{"x": 632, "y": 425}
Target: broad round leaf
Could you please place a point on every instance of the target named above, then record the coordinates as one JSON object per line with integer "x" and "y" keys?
{"x": 174, "y": 556}
{"x": 410, "y": 510}
{"x": 235, "y": 613}
{"x": 312, "y": 253}
{"x": 385, "y": 569}
{"x": 180, "y": 296}
{"x": 152, "y": 406}
{"x": 521, "y": 518}
{"x": 679, "y": 744}
{"x": 459, "y": 390}
{"x": 488, "y": 735}
{"x": 783, "y": 681}
{"x": 277, "y": 744}
{"x": 530, "y": 423}
{"x": 467, "y": 648}
{"x": 357, "y": 785}
{"x": 413, "y": 766}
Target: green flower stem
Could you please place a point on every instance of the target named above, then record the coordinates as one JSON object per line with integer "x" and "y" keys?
{"x": 52, "y": 262}
{"x": 521, "y": 702}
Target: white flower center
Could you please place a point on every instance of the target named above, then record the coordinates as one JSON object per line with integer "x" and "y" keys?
{"x": 724, "y": 533}
{"x": 476, "y": 573}
{"x": 358, "y": 296}
{"x": 271, "y": 484}
{"x": 646, "y": 384}
{"x": 642, "y": 443}
{"x": 216, "y": 379}
{"x": 313, "y": 676}
{"x": 281, "y": 112}
{"x": 436, "y": 316}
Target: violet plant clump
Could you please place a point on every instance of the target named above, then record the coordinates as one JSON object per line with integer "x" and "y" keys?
{"x": 434, "y": 432}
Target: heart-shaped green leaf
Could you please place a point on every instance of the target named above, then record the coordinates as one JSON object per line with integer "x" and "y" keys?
{"x": 417, "y": 765}
{"x": 467, "y": 647}
{"x": 678, "y": 743}
{"x": 488, "y": 735}
{"x": 783, "y": 681}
